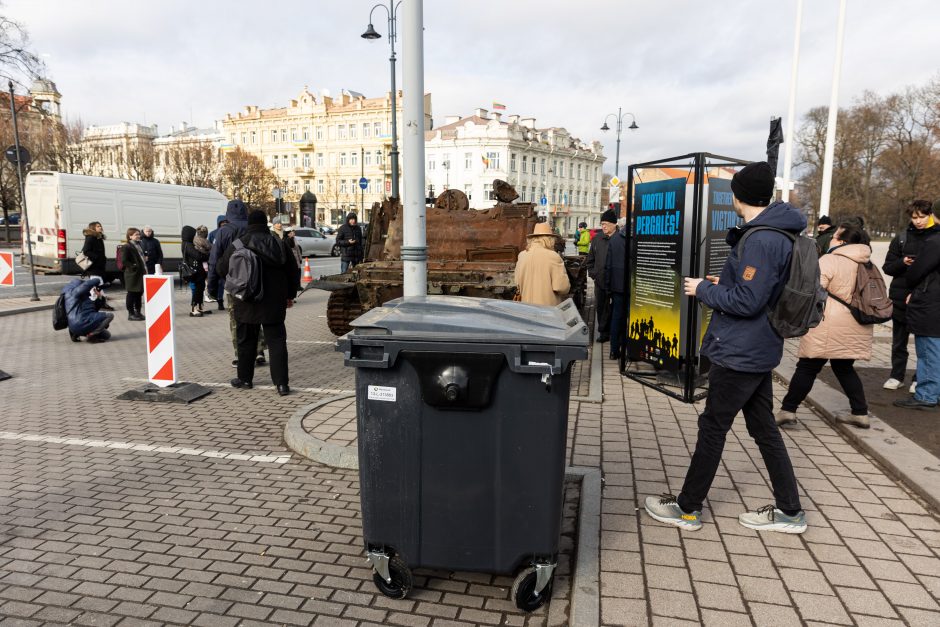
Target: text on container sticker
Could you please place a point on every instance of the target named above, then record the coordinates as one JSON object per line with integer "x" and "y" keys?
{"x": 381, "y": 393}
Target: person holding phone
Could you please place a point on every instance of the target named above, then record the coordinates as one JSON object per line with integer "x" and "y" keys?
{"x": 349, "y": 239}
{"x": 902, "y": 252}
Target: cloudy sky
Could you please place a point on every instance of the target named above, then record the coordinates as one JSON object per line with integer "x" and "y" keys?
{"x": 697, "y": 75}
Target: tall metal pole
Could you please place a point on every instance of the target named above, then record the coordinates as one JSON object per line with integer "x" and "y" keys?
{"x": 414, "y": 252}
{"x": 362, "y": 192}
{"x": 791, "y": 111}
{"x": 392, "y": 33}
{"x": 19, "y": 176}
{"x": 833, "y": 113}
{"x": 619, "y": 128}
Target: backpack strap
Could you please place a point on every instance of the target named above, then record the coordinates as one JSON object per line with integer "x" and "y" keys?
{"x": 747, "y": 233}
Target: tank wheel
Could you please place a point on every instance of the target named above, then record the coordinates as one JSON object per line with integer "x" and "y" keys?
{"x": 401, "y": 582}
{"x": 342, "y": 308}
{"x": 334, "y": 252}
{"x": 523, "y": 591}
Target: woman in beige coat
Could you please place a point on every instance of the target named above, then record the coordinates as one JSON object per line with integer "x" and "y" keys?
{"x": 540, "y": 272}
{"x": 838, "y": 339}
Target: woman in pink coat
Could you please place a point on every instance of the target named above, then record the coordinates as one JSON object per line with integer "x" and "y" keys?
{"x": 838, "y": 339}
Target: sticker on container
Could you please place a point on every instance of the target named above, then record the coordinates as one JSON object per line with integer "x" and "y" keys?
{"x": 382, "y": 393}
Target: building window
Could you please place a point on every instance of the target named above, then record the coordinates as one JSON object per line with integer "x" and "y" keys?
{"x": 319, "y": 159}
{"x": 284, "y": 135}
{"x": 343, "y": 189}
{"x": 274, "y": 162}
{"x": 432, "y": 163}
{"x": 554, "y": 195}
{"x": 525, "y": 164}
{"x": 366, "y": 130}
{"x": 320, "y": 186}
{"x": 468, "y": 190}
{"x": 377, "y": 129}
{"x": 306, "y": 133}
{"x": 254, "y": 137}
{"x": 488, "y": 191}
{"x": 307, "y": 186}
{"x": 244, "y": 138}
{"x": 367, "y": 158}
{"x": 307, "y": 160}
{"x": 532, "y": 192}
{"x": 274, "y": 136}
{"x": 579, "y": 171}
{"x": 542, "y": 164}
{"x": 353, "y": 131}
{"x": 293, "y": 133}
{"x": 294, "y": 160}
{"x": 341, "y": 131}
{"x": 354, "y": 158}
{"x": 468, "y": 161}
{"x": 319, "y": 132}
{"x": 512, "y": 162}
{"x": 379, "y": 157}
{"x": 492, "y": 161}
{"x": 342, "y": 159}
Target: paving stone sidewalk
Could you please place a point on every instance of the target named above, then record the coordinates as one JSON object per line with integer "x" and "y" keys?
{"x": 97, "y": 528}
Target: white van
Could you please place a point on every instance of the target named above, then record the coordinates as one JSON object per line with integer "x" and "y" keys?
{"x": 61, "y": 206}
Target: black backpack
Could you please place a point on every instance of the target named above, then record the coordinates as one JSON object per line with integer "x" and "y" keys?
{"x": 802, "y": 301}
{"x": 60, "y": 317}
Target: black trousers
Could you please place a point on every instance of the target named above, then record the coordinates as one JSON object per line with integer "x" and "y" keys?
{"x": 899, "y": 338}
{"x": 618, "y": 325}
{"x": 602, "y": 307}
{"x": 805, "y": 376}
{"x": 133, "y": 301}
{"x": 247, "y": 339}
{"x": 199, "y": 290}
{"x": 729, "y": 392}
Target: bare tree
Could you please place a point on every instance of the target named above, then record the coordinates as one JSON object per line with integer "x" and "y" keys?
{"x": 17, "y": 61}
{"x": 138, "y": 161}
{"x": 245, "y": 176}
{"x": 194, "y": 164}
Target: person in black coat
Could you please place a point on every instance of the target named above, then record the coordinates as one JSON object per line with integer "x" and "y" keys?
{"x": 193, "y": 270}
{"x": 153, "y": 252}
{"x": 349, "y": 239}
{"x": 279, "y": 277}
{"x": 596, "y": 262}
{"x": 615, "y": 281}
{"x": 902, "y": 251}
{"x": 94, "y": 250}
{"x": 132, "y": 258}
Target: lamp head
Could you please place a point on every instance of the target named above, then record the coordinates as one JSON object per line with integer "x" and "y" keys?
{"x": 633, "y": 126}
{"x": 605, "y": 127}
{"x": 371, "y": 33}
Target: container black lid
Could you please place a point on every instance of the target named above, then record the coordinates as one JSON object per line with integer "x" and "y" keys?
{"x": 466, "y": 319}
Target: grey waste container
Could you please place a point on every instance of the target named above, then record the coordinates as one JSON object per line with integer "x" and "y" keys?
{"x": 462, "y": 410}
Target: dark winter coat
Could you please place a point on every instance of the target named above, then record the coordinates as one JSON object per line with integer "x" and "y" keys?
{"x": 218, "y": 225}
{"x": 192, "y": 256}
{"x": 237, "y": 216}
{"x": 923, "y": 277}
{"x": 909, "y": 242}
{"x": 615, "y": 270}
{"x": 351, "y": 251}
{"x": 153, "y": 252}
{"x": 279, "y": 276}
{"x": 134, "y": 268}
{"x": 83, "y": 315}
{"x": 596, "y": 259}
{"x": 739, "y": 336}
{"x": 824, "y": 240}
{"x": 94, "y": 250}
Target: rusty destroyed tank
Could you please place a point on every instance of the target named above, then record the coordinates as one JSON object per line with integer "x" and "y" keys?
{"x": 470, "y": 253}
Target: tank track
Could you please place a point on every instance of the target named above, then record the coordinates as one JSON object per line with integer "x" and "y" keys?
{"x": 342, "y": 308}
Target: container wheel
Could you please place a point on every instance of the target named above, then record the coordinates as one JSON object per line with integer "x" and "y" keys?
{"x": 401, "y": 579}
{"x": 524, "y": 594}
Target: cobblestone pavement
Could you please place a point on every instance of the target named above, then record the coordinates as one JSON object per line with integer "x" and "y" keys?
{"x": 129, "y": 513}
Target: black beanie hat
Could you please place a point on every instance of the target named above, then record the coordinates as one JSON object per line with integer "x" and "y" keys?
{"x": 825, "y": 220}
{"x": 754, "y": 184}
{"x": 609, "y": 216}
{"x": 257, "y": 217}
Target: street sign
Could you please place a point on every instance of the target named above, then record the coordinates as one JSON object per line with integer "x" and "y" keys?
{"x": 363, "y": 183}
{"x": 543, "y": 201}
{"x": 7, "y": 278}
{"x": 614, "y": 182}
{"x": 11, "y": 155}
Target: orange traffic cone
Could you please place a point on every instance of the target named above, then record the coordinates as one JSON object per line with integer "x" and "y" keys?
{"x": 308, "y": 278}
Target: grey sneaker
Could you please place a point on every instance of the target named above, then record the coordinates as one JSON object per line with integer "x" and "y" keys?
{"x": 666, "y": 509}
{"x": 862, "y": 422}
{"x": 785, "y": 418}
{"x": 769, "y": 518}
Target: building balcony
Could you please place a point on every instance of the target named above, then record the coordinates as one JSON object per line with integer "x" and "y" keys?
{"x": 302, "y": 170}
{"x": 303, "y": 144}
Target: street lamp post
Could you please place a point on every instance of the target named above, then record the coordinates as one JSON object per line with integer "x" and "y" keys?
{"x": 371, "y": 34}
{"x": 22, "y": 190}
{"x": 619, "y": 115}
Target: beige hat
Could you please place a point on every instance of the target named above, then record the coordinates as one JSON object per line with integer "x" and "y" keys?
{"x": 542, "y": 228}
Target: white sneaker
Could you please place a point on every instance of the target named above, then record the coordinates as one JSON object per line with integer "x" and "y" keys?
{"x": 892, "y": 384}
{"x": 913, "y": 388}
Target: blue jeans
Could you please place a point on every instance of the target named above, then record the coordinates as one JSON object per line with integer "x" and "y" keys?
{"x": 346, "y": 265}
{"x": 928, "y": 368}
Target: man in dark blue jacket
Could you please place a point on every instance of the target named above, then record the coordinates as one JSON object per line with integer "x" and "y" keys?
{"x": 84, "y": 317}
{"x": 743, "y": 349}
{"x": 615, "y": 283}
{"x": 236, "y": 218}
